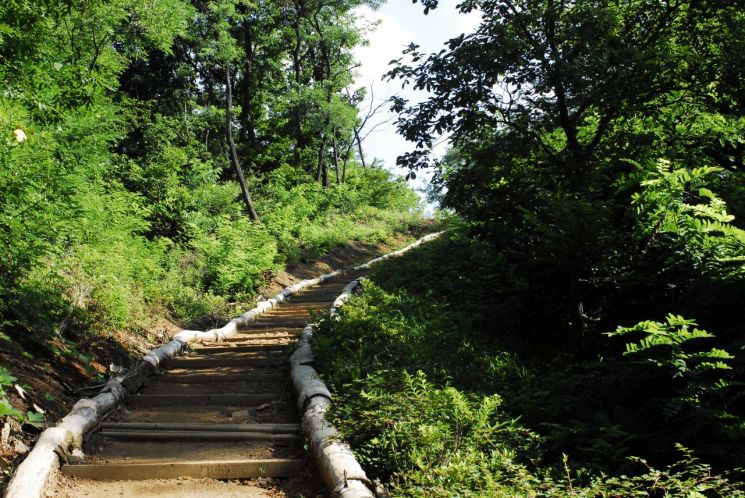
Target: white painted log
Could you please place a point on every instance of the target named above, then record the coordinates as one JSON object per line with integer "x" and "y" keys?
{"x": 400, "y": 252}
{"x": 36, "y": 474}
{"x": 337, "y": 465}
{"x": 303, "y": 355}
{"x": 308, "y": 386}
{"x": 346, "y": 293}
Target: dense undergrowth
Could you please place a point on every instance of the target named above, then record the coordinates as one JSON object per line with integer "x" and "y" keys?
{"x": 443, "y": 389}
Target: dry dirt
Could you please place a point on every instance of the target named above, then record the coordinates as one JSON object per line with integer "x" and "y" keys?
{"x": 171, "y": 488}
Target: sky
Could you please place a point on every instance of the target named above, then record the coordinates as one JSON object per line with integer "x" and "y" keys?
{"x": 401, "y": 23}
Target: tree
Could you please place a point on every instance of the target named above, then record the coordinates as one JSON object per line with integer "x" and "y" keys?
{"x": 533, "y": 68}
{"x": 550, "y": 107}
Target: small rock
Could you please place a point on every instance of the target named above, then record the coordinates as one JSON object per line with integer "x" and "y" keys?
{"x": 113, "y": 368}
{"x": 239, "y": 414}
{"x": 19, "y": 446}
{"x": 263, "y": 482}
{"x": 4, "y": 435}
{"x": 77, "y": 456}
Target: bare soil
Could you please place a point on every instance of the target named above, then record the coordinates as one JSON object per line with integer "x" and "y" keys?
{"x": 169, "y": 488}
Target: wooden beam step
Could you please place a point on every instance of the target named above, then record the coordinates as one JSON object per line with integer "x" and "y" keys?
{"x": 291, "y": 313}
{"x": 326, "y": 299}
{"x": 245, "y": 348}
{"x": 198, "y": 363}
{"x": 159, "y": 435}
{"x": 247, "y": 339}
{"x": 171, "y": 426}
{"x": 209, "y": 469}
{"x": 146, "y": 400}
{"x": 275, "y": 323}
{"x": 253, "y": 357}
{"x": 217, "y": 377}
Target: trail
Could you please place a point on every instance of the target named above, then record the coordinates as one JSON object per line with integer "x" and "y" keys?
{"x": 221, "y": 414}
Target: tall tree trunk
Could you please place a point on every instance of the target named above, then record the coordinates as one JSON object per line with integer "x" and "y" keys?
{"x": 359, "y": 146}
{"x": 319, "y": 169}
{"x": 336, "y": 159}
{"x": 322, "y": 174}
{"x": 296, "y": 64}
{"x": 233, "y": 154}
{"x": 248, "y": 129}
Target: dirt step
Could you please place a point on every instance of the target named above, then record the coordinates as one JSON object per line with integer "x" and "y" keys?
{"x": 150, "y": 400}
{"x": 159, "y": 435}
{"x": 210, "y": 469}
{"x": 209, "y": 362}
{"x": 271, "y": 428}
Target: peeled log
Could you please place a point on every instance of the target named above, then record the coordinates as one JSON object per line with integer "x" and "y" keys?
{"x": 336, "y": 463}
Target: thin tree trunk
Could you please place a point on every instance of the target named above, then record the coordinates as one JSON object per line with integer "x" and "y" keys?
{"x": 319, "y": 170}
{"x": 323, "y": 169}
{"x": 233, "y": 154}
{"x": 296, "y": 64}
{"x": 248, "y": 129}
{"x": 359, "y": 147}
{"x": 336, "y": 159}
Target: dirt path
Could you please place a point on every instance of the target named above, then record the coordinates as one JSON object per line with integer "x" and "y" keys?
{"x": 221, "y": 422}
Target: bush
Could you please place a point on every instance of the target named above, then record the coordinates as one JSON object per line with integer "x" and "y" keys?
{"x": 436, "y": 402}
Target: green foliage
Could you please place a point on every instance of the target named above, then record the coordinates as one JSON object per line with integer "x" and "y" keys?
{"x": 237, "y": 255}
{"x": 672, "y": 336}
{"x": 6, "y": 409}
{"x": 430, "y": 441}
{"x": 118, "y": 205}
{"x": 430, "y": 406}
{"x": 676, "y": 203}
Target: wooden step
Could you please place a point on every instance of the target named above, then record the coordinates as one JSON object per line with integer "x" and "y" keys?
{"x": 209, "y": 469}
{"x": 291, "y": 305}
{"x": 200, "y": 363}
{"x": 218, "y": 387}
{"x": 277, "y": 322}
{"x": 211, "y": 378}
{"x": 160, "y": 435}
{"x": 250, "y": 355}
{"x": 246, "y": 348}
{"x": 291, "y": 313}
{"x": 148, "y": 400}
{"x": 170, "y": 426}
{"x": 250, "y": 339}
